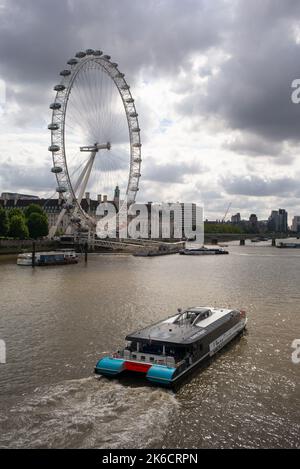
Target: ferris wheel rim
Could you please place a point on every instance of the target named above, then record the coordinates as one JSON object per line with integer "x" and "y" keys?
{"x": 58, "y": 131}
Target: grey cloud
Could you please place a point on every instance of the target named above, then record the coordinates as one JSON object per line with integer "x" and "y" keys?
{"x": 170, "y": 172}
{"x": 38, "y": 37}
{"x": 252, "y": 91}
{"x": 26, "y": 178}
{"x": 138, "y": 34}
{"x": 215, "y": 203}
{"x": 253, "y": 145}
{"x": 257, "y": 186}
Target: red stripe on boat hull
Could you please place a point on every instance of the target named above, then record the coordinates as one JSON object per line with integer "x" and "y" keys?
{"x": 139, "y": 367}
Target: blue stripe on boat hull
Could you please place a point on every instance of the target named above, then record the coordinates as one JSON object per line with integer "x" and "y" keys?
{"x": 160, "y": 374}
{"x": 114, "y": 366}
{"x": 110, "y": 366}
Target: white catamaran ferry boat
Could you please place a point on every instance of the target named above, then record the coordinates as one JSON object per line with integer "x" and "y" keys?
{"x": 167, "y": 350}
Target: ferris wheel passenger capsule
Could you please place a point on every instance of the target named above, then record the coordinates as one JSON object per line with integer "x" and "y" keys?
{"x": 61, "y": 189}
{"x": 54, "y": 148}
{"x": 137, "y": 145}
{"x": 80, "y": 54}
{"x": 65, "y": 73}
{"x": 89, "y": 51}
{"x": 55, "y": 106}
{"x": 53, "y": 126}
{"x": 72, "y": 62}
{"x": 59, "y": 88}
{"x": 133, "y": 114}
{"x": 106, "y": 57}
{"x": 97, "y": 53}
{"x": 56, "y": 169}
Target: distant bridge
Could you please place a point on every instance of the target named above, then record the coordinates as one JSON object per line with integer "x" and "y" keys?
{"x": 214, "y": 238}
{"x": 133, "y": 245}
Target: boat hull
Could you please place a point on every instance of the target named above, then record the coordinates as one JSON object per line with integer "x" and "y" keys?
{"x": 25, "y": 262}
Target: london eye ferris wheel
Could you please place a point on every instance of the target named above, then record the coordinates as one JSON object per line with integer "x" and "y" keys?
{"x": 95, "y": 135}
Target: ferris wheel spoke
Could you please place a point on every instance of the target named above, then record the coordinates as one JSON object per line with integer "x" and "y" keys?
{"x": 80, "y": 109}
{"x": 88, "y": 84}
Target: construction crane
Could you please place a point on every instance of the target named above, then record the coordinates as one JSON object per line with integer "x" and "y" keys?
{"x": 225, "y": 215}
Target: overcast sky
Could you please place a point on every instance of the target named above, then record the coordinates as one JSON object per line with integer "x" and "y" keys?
{"x": 212, "y": 85}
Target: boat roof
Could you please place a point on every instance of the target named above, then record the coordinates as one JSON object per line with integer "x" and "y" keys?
{"x": 184, "y": 328}
{"x": 48, "y": 253}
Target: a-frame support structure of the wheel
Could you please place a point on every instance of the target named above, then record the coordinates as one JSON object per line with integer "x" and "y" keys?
{"x": 74, "y": 201}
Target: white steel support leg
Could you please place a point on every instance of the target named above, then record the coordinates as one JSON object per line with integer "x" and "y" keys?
{"x": 86, "y": 178}
{"x": 82, "y": 181}
{"x": 87, "y": 169}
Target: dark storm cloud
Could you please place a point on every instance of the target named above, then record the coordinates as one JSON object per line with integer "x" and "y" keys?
{"x": 252, "y": 91}
{"x": 37, "y": 37}
{"x": 256, "y": 186}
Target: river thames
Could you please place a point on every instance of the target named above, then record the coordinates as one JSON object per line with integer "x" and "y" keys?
{"x": 58, "y": 321}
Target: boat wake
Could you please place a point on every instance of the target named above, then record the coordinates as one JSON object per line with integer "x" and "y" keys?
{"x": 88, "y": 413}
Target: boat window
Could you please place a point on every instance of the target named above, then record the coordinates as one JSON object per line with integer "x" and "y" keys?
{"x": 131, "y": 346}
{"x": 143, "y": 357}
{"x": 181, "y": 317}
{"x": 151, "y": 348}
{"x": 177, "y": 352}
{"x": 186, "y": 316}
{"x": 202, "y": 315}
{"x": 133, "y": 355}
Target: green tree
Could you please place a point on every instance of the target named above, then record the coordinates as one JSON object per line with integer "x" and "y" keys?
{"x": 37, "y": 225}
{"x": 33, "y": 208}
{"x": 15, "y": 211}
{"x": 222, "y": 228}
{"x": 18, "y": 228}
{"x": 4, "y": 222}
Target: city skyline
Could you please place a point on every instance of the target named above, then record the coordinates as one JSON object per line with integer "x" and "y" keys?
{"x": 217, "y": 125}
{"x": 11, "y": 199}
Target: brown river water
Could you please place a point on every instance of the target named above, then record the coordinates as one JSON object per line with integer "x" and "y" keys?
{"x": 57, "y": 321}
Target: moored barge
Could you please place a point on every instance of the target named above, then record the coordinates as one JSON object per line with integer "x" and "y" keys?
{"x": 203, "y": 251}
{"x": 166, "y": 351}
{"x": 61, "y": 257}
{"x": 288, "y": 245}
